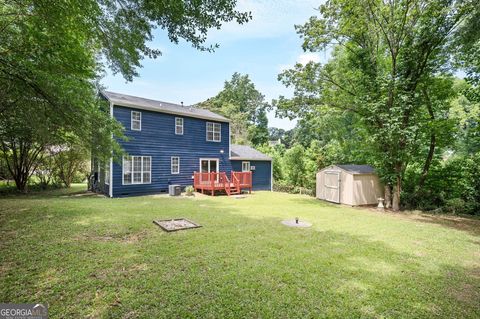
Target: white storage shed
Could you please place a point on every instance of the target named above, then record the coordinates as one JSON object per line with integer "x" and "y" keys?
{"x": 349, "y": 184}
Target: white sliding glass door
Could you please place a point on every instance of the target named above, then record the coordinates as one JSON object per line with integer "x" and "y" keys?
{"x": 209, "y": 165}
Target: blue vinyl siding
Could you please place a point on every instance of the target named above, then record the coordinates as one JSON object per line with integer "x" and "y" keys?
{"x": 158, "y": 140}
{"x": 261, "y": 176}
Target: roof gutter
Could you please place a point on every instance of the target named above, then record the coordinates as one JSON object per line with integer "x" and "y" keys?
{"x": 135, "y": 106}
{"x": 250, "y": 159}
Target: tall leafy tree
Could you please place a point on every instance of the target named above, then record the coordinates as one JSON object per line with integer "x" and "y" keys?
{"x": 52, "y": 53}
{"x": 245, "y": 106}
{"x": 385, "y": 57}
{"x": 467, "y": 46}
{"x": 467, "y": 49}
{"x": 258, "y": 133}
{"x": 277, "y": 154}
{"x": 295, "y": 165}
{"x": 275, "y": 133}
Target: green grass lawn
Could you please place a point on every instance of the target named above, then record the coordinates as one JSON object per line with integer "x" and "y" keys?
{"x": 89, "y": 256}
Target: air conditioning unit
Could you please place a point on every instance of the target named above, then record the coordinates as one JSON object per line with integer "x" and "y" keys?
{"x": 252, "y": 168}
{"x": 174, "y": 190}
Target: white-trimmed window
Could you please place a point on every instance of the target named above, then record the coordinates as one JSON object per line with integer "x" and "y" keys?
{"x": 136, "y": 121}
{"x": 245, "y": 166}
{"x": 137, "y": 169}
{"x": 175, "y": 164}
{"x": 214, "y": 132}
{"x": 179, "y": 125}
{"x": 107, "y": 173}
{"x": 146, "y": 169}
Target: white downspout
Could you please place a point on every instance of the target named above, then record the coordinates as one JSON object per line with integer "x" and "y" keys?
{"x": 110, "y": 185}
{"x": 271, "y": 175}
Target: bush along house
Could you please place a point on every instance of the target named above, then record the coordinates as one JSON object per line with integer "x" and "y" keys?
{"x": 171, "y": 144}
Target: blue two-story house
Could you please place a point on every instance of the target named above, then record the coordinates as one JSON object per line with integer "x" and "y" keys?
{"x": 168, "y": 143}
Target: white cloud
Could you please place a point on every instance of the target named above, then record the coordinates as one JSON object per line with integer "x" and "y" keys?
{"x": 305, "y": 58}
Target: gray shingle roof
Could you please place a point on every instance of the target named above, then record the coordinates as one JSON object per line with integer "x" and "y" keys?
{"x": 358, "y": 169}
{"x": 245, "y": 152}
{"x": 159, "y": 106}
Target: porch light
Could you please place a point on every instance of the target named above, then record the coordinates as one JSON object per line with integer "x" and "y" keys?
{"x": 222, "y": 151}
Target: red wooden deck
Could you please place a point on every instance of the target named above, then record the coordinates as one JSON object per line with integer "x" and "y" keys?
{"x": 219, "y": 181}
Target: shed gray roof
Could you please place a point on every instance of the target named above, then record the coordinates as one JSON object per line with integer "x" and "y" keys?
{"x": 160, "y": 106}
{"x": 358, "y": 169}
{"x": 245, "y": 152}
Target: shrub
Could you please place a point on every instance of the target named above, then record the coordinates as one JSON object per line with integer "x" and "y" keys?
{"x": 189, "y": 190}
{"x": 455, "y": 205}
{"x": 45, "y": 172}
{"x": 71, "y": 164}
{"x": 304, "y": 191}
{"x": 452, "y": 186}
{"x": 284, "y": 187}
{"x": 294, "y": 161}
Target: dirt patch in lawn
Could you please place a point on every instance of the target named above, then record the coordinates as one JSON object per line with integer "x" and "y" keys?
{"x": 122, "y": 238}
{"x": 475, "y": 273}
{"x": 466, "y": 293}
{"x": 119, "y": 270}
{"x": 84, "y": 194}
{"x": 6, "y": 267}
{"x": 466, "y": 223}
{"x": 133, "y": 238}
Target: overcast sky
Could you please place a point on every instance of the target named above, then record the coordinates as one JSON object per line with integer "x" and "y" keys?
{"x": 260, "y": 48}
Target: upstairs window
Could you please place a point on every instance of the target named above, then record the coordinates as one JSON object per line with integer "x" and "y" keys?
{"x": 214, "y": 132}
{"x": 137, "y": 169}
{"x": 245, "y": 166}
{"x": 136, "y": 121}
{"x": 175, "y": 165}
{"x": 179, "y": 126}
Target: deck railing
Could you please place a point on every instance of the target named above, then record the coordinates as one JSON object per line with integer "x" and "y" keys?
{"x": 244, "y": 178}
{"x": 219, "y": 181}
{"x": 212, "y": 179}
{"x": 235, "y": 181}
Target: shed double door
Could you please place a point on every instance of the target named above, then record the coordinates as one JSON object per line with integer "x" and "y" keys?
{"x": 332, "y": 186}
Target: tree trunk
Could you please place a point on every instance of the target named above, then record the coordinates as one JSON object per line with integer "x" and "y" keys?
{"x": 21, "y": 158}
{"x": 431, "y": 151}
{"x": 21, "y": 183}
{"x": 89, "y": 180}
{"x": 396, "y": 194}
{"x": 388, "y": 196}
{"x": 428, "y": 162}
